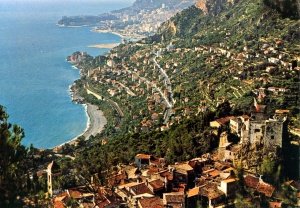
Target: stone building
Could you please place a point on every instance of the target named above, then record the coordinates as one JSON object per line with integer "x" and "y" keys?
{"x": 259, "y": 136}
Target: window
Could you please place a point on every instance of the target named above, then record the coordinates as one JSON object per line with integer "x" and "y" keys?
{"x": 257, "y": 130}
{"x": 272, "y": 137}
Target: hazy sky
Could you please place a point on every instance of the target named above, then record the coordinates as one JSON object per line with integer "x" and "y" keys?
{"x": 16, "y": 1}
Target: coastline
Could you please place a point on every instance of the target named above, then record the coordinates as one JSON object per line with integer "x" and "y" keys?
{"x": 133, "y": 37}
{"x": 95, "y": 124}
{"x": 109, "y": 46}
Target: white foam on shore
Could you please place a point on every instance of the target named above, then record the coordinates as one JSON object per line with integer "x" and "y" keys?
{"x": 86, "y": 129}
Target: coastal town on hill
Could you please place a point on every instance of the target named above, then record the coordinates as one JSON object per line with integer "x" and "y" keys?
{"x": 197, "y": 107}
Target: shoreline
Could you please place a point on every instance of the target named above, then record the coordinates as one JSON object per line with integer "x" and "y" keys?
{"x": 107, "y": 45}
{"x": 134, "y": 37}
{"x": 95, "y": 124}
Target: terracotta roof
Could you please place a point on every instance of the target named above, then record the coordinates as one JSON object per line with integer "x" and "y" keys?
{"x": 127, "y": 185}
{"x": 224, "y": 120}
{"x": 141, "y": 189}
{"x": 183, "y": 168}
{"x": 210, "y": 192}
{"x": 59, "y": 198}
{"x": 266, "y": 189}
{"x": 251, "y": 181}
{"x": 193, "y": 192}
{"x": 75, "y": 194}
{"x": 230, "y": 180}
{"x": 101, "y": 201}
{"x": 58, "y": 204}
{"x": 153, "y": 202}
{"x": 157, "y": 184}
{"x": 166, "y": 174}
{"x": 275, "y": 204}
{"x": 175, "y": 199}
{"x": 142, "y": 156}
{"x": 214, "y": 173}
{"x": 282, "y": 111}
{"x": 179, "y": 188}
{"x": 117, "y": 179}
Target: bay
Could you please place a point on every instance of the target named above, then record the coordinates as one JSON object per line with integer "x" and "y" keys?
{"x": 34, "y": 74}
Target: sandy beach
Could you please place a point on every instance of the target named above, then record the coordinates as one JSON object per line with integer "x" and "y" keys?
{"x": 109, "y": 46}
{"x": 96, "y": 123}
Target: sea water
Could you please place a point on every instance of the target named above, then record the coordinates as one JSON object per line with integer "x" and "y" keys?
{"x": 34, "y": 74}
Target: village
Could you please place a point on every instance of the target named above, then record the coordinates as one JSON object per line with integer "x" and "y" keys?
{"x": 212, "y": 180}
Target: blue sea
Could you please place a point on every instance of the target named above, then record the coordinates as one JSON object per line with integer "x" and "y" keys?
{"x": 34, "y": 74}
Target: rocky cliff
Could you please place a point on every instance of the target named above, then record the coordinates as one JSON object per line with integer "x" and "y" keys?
{"x": 214, "y": 6}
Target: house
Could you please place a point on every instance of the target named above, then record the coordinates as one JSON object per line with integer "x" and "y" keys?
{"x": 229, "y": 186}
{"x": 139, "y": 189}
{"x": 174, "y": 200}
{"x": 151, "y": 202}
{"x": 220, "y": 122}
{"x": 211, "y": 196}
{"x": 116, "y": 180}
{"x": 259, "y": 185}
{"x": 192, "y": 197}
{"x": 182, "y": 173}
{"x": 142, "y": 160}
{"x": 157, "y": 186}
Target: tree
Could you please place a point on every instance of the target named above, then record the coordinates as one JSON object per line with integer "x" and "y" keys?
{"x": 13, "y": 163}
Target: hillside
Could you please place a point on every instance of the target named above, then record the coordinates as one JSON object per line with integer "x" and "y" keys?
{"x": 200, "y": 65}
{"x": 169, "y": 100}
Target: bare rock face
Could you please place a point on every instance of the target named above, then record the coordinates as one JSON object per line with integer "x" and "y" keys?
{"x": 214, "y": 6}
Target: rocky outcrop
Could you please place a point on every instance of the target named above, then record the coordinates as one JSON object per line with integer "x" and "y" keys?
{"x": 212, "y": 7}
{"x": 76, "y": 57}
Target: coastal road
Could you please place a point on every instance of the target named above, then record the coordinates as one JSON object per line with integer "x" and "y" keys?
{"x": 112, "y": 103}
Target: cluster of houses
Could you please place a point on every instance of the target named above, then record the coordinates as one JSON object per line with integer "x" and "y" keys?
{"x": 151, "y": 183}
{"x": 210, "y": 180}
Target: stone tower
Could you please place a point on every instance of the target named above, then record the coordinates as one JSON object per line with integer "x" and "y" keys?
{"x": 222, "y": 145}
{"x": 49, "y": 179}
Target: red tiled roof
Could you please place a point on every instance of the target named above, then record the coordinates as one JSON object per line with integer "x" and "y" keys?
{"x": 251, "y": 181}
{"x": 101, "y": 201}
{"x": 167, "y": 174}
{"x": 214, "y": 173}
{"x": 153, "y": 202}
{"x": 157, "y": 184}
{"x": 142, "y": 156}
{"x": 224, "y": 120}
{"x": 75, "y": 194}
{"x": 117, "y": 179}
{"x": 174, "y": 199}
{"x": 266, "y": 189}
{"x": 282, "y": 111}
{"x": 275, "y": 204}
{"x": 141, "y": 189}
{"x": 58, "y": 204}
{"x": 193, "y": 192}
{"x": 180, "y": 188}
